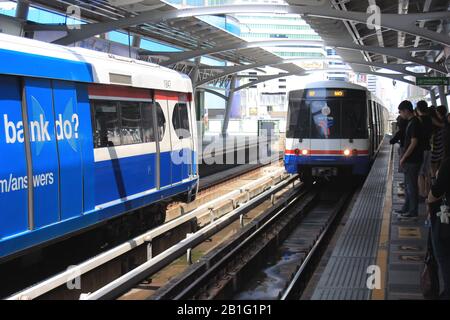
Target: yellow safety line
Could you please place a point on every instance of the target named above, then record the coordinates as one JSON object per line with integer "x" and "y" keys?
{"x": 383, "y": 243}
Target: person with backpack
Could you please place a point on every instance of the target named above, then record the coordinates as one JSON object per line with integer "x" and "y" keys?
{"x": 425, "y": 141}
{"x": 439, "y": 212}
{"x": 438, "y": 117}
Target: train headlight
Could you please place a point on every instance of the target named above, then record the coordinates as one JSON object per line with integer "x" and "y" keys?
{"x": 304, "y": 152}
{"x": 297, "y": 151}
{"x": 346, "y": 152}
{"x": 354, "y": 152}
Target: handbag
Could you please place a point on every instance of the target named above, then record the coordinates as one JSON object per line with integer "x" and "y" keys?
{"x": 443, "y": 229}
{"x": 429, "y": 279}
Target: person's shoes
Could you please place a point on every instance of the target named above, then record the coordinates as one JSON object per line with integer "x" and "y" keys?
{"x": 400, "y": 212}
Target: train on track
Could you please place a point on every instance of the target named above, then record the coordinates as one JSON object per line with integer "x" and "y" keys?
{"x": 88, "y": 136}
{"x": 334, "y": 128}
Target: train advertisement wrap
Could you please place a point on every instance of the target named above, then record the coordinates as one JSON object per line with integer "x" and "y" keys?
{"x": 54, "y": 133}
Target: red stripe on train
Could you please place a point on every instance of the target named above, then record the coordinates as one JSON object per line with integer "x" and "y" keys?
{"x": 326, "y": 152}
{"x": 119, "y": 91}
{"x": 174, "y": 96}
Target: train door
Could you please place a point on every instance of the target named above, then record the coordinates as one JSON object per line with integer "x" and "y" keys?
{"x": 165, "y": 136}
{"x": 43, "y": 151}
{"x": 85, "y": 136}
{"x": 67, "y": 123}
{"x": 163, "y": 145}
{"x": 375, "y": 125}
{"x": 371, "y": 128}
{"x": 125, "y": 147}
{"x": 13, "y": 160}
{"x": 193, "y": 138}
{"x": 181, "y": 139}
{"x": 380, "y": 123}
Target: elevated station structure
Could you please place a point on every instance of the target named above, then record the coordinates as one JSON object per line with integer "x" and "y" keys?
{"x": 401, "y": 40}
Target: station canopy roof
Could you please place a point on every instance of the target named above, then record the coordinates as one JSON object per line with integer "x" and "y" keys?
{"x": 338, "y": 31}
{"x": 191, "y": 33}
{"x": 194, "y": 33}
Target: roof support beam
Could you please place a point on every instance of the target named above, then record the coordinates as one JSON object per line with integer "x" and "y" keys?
{"x": 426, "y": 8}
{"x": 180, "y": 56}
{"x": 262, "y": 79}
{"x": 400, "y": 53}
{"x": 398, "y": 22}
{"x": 267, "y": 78}
{"x": 229, "y": 105}
{"x": 401, "y": 68}
{"x": 224, "y": 97}
{"x": 227, "y": 70}
{"x": 378, "y": 31}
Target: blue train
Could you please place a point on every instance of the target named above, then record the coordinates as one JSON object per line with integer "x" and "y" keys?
{"x": 333, "y": 128}
{"x": 85, "y": 137}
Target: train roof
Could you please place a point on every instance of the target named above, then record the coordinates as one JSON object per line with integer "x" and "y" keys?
{"x": 332, "y": 84}
{"x": 28, "y": 57}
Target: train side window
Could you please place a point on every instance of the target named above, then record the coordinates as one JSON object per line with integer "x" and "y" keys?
{"x": 161, "y": 121}
{"x": 147, "y": 121}
{"x": 180, "y": 120}
{"x": 107, "y": 125}
{"x": 354, "y": 114}
{"x": 131, "y": 124}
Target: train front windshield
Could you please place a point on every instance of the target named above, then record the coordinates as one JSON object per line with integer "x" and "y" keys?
{"x": 327, "y": 117}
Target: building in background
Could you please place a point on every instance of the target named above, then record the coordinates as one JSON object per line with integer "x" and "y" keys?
{"x": 269, "y": 99}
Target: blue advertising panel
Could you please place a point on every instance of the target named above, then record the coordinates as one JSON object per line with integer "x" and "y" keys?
{"x": 67, "y": 125}
{"x": 44, "y": 153}
{"x": 87, "y": 143}
{"x": 13, "y": 165}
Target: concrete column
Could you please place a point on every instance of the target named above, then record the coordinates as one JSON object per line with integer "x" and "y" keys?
{"x": 442, "y": 96}
{"x": 433, "y": 97}
{"x": 195, "y": 72}
{"x": 136, "y": 41}
{"x": 228, "y": 105}
{"x": 22, "y": 9}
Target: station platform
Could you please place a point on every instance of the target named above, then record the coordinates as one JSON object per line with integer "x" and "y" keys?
{"x": 378, "y": 255}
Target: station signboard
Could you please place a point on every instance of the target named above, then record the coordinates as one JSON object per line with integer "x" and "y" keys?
{"x": 432, "y": 81}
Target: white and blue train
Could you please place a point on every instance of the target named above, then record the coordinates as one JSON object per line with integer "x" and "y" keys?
{"x": 85, "y": 137}
{"x": 333, "y": 128}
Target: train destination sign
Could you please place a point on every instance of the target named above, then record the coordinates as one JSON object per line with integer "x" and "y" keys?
{"x": 432, "y": 81}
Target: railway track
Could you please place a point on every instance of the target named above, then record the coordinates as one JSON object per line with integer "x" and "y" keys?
{"x": 106, "y": 267}
{"x": 284, "y": 243}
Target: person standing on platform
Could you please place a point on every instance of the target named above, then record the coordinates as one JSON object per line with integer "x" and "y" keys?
{"x": 438, "y": 205}
{"x": 399, "y": 137}
{"x": 411, "y": 160}
{"x": 425, "y": 144}
{"x": 438, "y": 117}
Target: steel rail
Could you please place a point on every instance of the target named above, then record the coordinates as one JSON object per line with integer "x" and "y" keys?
{"x": 289, "y": 293}
{"x": 61, "y": 278}
{"x": 190, "y": 290}
{"x": 126, "y": 282}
